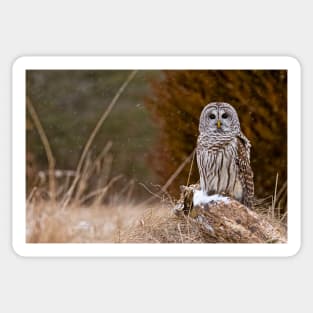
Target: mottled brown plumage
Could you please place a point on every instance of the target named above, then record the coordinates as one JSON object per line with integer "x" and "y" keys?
{"x": 223, "y": 154}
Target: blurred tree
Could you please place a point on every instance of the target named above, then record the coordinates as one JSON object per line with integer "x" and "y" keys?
{"x": 69, "y": 104}
{"x": 260, "y": 98}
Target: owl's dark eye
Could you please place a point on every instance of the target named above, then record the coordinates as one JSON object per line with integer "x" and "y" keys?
{"x": 212, "y": 116}
{"x": 224, "y": 115}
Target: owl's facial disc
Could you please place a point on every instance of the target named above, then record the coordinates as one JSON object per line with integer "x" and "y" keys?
{"x": 214, "y": 121}
{"x": 219, "y": 118}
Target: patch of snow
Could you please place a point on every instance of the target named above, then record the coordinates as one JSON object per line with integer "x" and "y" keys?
{"x": 82, "y": 225}
{"x": 200, "y": 197}
{"x": 42, "y": 176}
{"x": 58, "y": 173}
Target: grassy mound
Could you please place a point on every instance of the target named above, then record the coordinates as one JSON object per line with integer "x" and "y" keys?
{"x": 213, "y": 222}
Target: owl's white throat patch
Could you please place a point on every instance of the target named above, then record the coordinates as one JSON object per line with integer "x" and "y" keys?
{"x": 200, "y": 197}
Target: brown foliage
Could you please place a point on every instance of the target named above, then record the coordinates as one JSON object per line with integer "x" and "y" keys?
{"x": 260, "y": 98}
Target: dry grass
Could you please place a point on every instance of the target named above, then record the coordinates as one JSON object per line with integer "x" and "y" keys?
{"x": 157, "y": 227}
{"x": 214, "y": 222}
{"x": 48, "y": 223}
{"x": 120, "y": 222}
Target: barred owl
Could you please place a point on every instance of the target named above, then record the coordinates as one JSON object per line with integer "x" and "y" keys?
{"x": 223, "y": 154}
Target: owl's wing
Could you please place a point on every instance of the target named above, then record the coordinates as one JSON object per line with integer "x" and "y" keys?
{"x": 245, "y": 171}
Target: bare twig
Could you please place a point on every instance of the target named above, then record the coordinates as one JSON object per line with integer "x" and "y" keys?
{"x": 46, "y": 145}
{"x": 283, "y": 217}
{"x": 170, "y": 180}
{"x": 94, "y": 133}
{"x": 101, "y": 191}
{"x": 155, "y": 195}
{"x": 274, "y": 199}
{"x": 32, "y": 193}
{"x": 128, "y": 189}
{"x": 180, "y": 233}
{"x": 103, "y": 153}
{"x": 281, "y": 191}
{"x": 191, "y": 166}
{"x": 177, "y": 172}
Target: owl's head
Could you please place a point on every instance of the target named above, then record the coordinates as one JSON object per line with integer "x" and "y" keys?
{"x": 219, "y": 118}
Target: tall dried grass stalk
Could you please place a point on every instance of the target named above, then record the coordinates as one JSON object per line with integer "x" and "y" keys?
{"x": 170, "y": 180}
{"x": 94, "y": 133}
{"x": 46, "y": 145}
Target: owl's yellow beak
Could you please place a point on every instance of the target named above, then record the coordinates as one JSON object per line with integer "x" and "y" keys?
{"x": 218, "y": 124}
